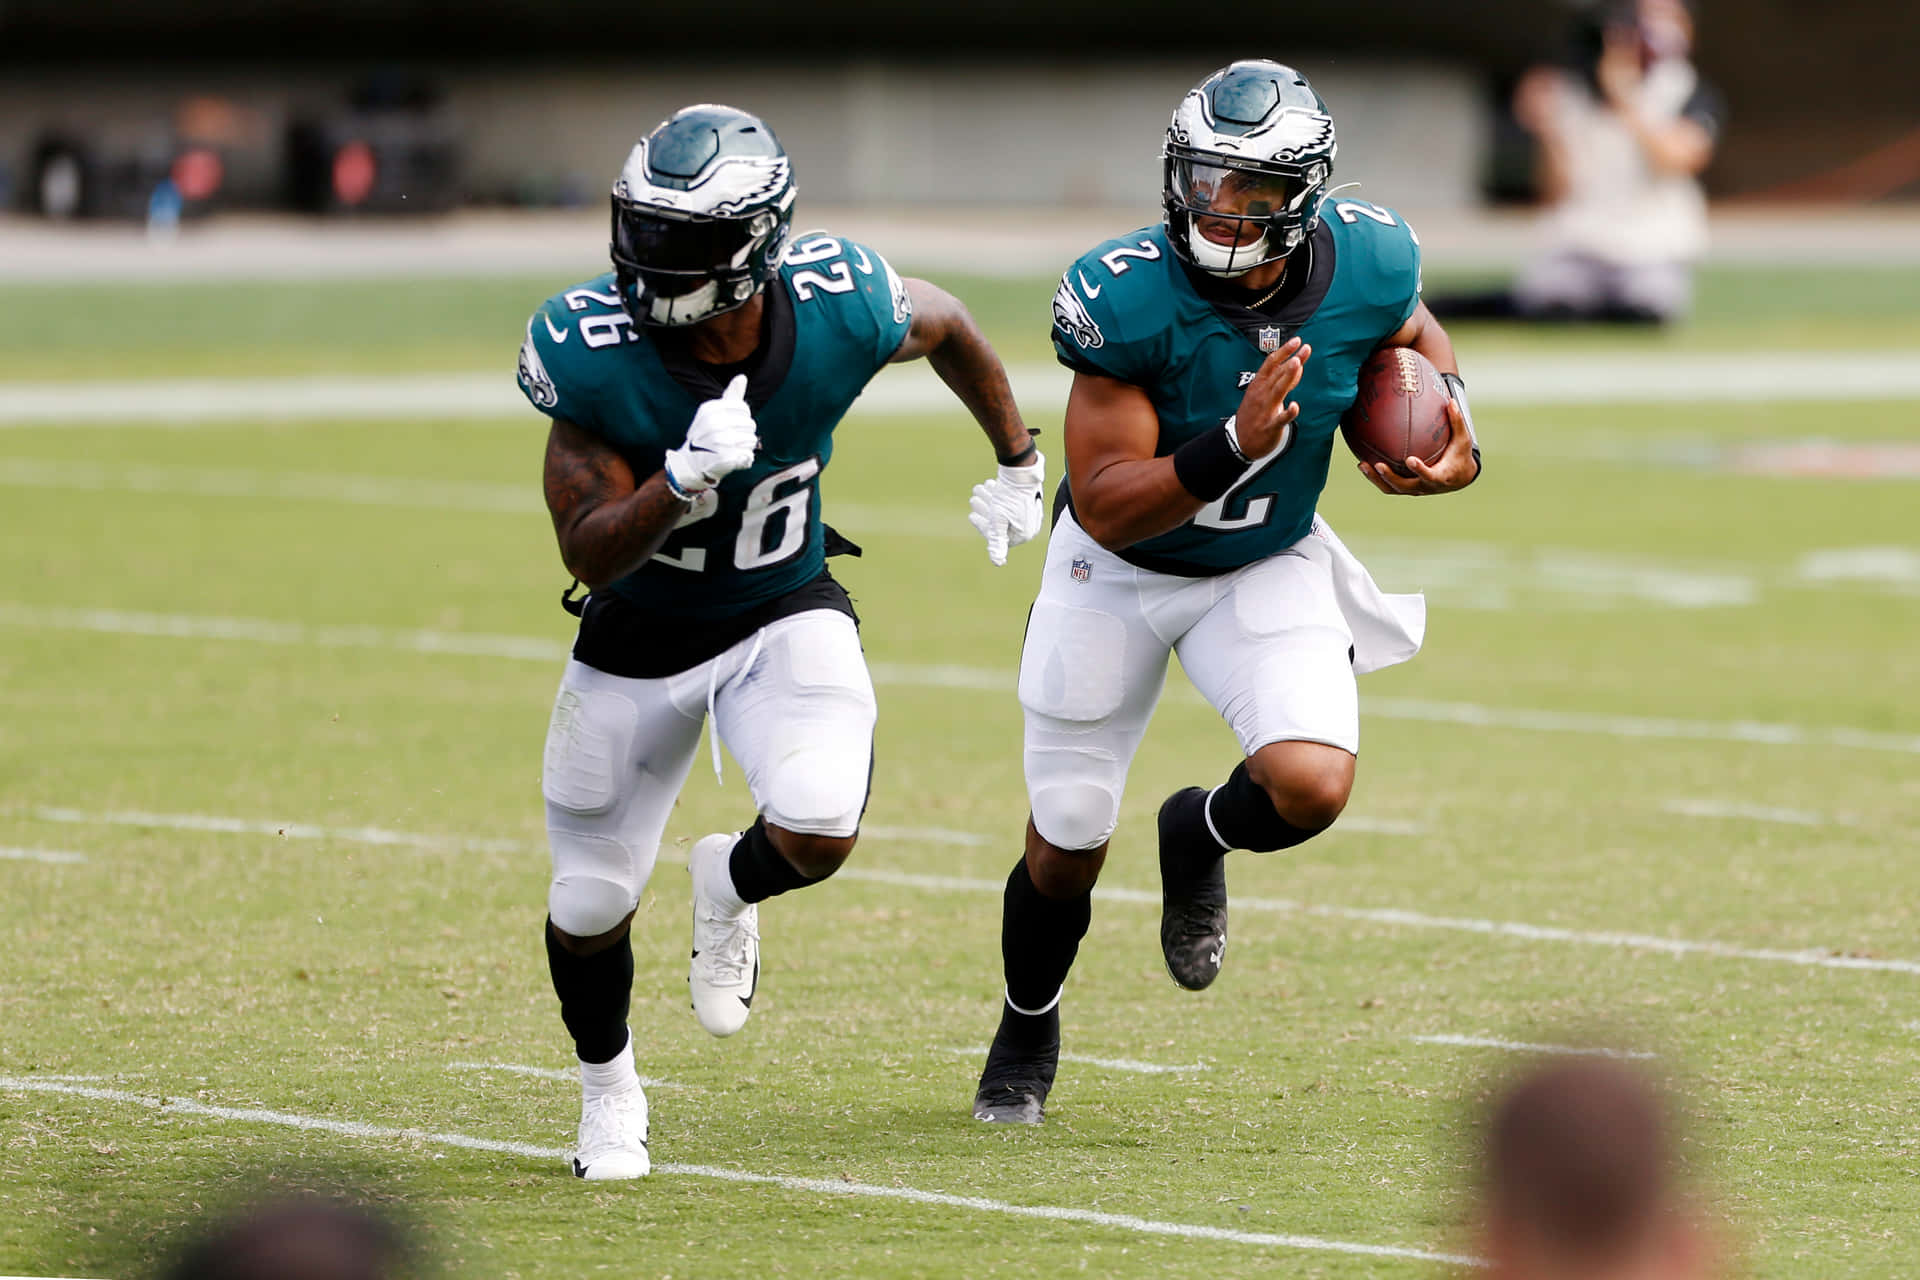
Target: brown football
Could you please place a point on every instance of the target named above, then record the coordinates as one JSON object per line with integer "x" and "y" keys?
{"x": 1400, "y": 411}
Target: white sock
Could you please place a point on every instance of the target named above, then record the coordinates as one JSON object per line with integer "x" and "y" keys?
{"x": 718, "y": 888}
{"x": 617, "y": 1073}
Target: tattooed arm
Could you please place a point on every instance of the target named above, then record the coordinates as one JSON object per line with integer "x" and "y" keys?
{"x": 945, "y": 334}
{"x": 607, "y": 524}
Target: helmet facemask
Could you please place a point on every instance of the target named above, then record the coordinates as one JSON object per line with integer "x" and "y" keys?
{"x": 1228, "y": 215}
{"x": 678, "y": 268}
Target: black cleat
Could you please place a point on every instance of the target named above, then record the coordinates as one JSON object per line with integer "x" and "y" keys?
{"x": 1020, "y": 1067}
{"x": 1193, "y": 907}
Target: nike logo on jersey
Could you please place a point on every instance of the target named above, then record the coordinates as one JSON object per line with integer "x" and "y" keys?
{"x": 1246, "y": 376}
{"x": 1091, "y": 290}
{"x": 558, "y": 335}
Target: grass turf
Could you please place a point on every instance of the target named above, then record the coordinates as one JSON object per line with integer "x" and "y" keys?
{"x": 342, "y": 978}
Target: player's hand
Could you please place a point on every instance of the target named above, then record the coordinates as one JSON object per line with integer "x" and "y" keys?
{"x": 1265, "y": 413}
{"x": 720, "y": 442}
{"x": 1010, "y": 508}
{"x": 1456, "y": 468}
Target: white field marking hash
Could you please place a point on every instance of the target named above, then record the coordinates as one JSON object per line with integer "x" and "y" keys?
{"x": 435, "y": 397}
{"x": 1753, "y": 813}
{"x": 550, "y": 1073}
{"x": 40, "y": 855}
{"x": 1106, "y": 1064}
{"x": 1819, "y": 959}
{"x": 1520, "y": 1046}
{"x": 815, "y": 1186}
{"x": 1826, "y": 959}
{"x": 946, "y": 676}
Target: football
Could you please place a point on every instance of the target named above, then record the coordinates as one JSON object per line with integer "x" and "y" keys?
{"x": 1400, "y": 411}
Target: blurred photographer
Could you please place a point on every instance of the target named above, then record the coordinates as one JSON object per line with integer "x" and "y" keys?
{"x": 1579, "y": 1182}
{"x": 1620, "y": 141}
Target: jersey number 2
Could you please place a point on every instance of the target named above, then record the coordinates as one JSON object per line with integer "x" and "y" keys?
{"x": 786, "y": 512}
{"x": 1220, "y": 514}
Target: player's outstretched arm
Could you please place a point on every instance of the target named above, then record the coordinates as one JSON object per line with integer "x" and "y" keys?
{"x": 607, "y": 524}
{"x": 1010, "y": 508}
{"x": 1123, "y": 494}
{"x": 1459, "y": 465}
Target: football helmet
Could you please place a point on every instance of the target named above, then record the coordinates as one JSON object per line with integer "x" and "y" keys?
{"x": 1248, "y": 155}
{"x": 701, "y": 215}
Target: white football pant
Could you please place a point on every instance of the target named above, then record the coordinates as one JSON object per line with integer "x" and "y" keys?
{"x": 1267, "y": 645}
{"x": 793, "y": 703}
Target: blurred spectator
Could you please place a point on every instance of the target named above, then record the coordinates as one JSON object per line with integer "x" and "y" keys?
{"x": 1620, "y": 142}
{"x": 298, "y": 1240}
{"x": 1580, "y": 1181}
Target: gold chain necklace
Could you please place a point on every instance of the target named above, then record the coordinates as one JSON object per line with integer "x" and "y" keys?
{"x": 1267, "y": 297}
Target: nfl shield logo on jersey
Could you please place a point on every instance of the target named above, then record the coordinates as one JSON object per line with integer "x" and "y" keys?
{"x": 1082, "y": 569}
{"x": 1269, "y": 338}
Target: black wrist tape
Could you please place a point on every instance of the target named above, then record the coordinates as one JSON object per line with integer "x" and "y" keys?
{"x": 1016, "y": 459}
{"x": 1207, "y": 465}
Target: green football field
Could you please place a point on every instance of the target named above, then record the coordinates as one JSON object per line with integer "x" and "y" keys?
{"x": 272, "y": 699}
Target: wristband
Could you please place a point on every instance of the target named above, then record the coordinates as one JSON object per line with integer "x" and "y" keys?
{"x": 1017, "y": 459}
{"x": 1208, "y": 465}
{"x": 673, "y": 486}
{"x": 1457, "y": 389}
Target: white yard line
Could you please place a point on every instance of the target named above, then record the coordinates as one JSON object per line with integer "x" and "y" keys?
{"x": 532, "y": 648}
{"x": 813, "y": 1186}
{"x": 1400, "y": 918}
{"x": 282, "y": 830}
{"x": 41, "y": 855}
{"x": 1520, "y": 1046}
{"x": 1561, "y": 378}
{"x": 1752, "y": 813}
{"x": 1824, "y": 959}
{"x": 1105, "y": 1064}
{"x": 383, "y": 835}
{"x": 549, "y": 1073}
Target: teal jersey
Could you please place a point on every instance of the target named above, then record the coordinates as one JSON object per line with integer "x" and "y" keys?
{"x": 839, "y": 314}
{"x": 1130, "y": 310}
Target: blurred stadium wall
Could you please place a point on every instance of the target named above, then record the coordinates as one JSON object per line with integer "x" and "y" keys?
{"x": 1001, "y": 102}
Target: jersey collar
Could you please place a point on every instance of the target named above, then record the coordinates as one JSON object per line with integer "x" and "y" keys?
{"x": 766, "y": 368}
{"x": 1291, "y": 308}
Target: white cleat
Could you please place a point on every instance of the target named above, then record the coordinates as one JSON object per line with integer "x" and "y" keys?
{"x": 726, "y": 949}
{"x": 613, "y": 1137}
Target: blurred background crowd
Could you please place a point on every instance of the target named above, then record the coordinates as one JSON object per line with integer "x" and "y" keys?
{"x": 174, "y": 109}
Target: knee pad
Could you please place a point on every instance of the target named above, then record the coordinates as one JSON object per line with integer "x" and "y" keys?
{"x": 819, "y": 792}
{"x": 1074, "y": 794}
{"x": 596, "y": 881}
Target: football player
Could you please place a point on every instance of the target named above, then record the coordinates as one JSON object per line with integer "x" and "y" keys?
{"x": 694, "y": 391}
{"x": 1212, "y": 357}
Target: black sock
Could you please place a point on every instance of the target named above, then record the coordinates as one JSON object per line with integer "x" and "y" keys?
{"x": 759, "y": 870}
{"x": 1039, "y": 937}
{"x": 1244, "y": 816}
{"x": 1188, "y": 848}
{"x": 593, "y": 992}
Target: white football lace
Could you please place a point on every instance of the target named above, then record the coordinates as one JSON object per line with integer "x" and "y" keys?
{"x": 611, "y": 1127}
{"x": 726, "y": 946}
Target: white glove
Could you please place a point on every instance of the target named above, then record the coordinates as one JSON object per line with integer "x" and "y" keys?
{"x": 1010, "y": 508}
{"x": 720, "y": 442}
